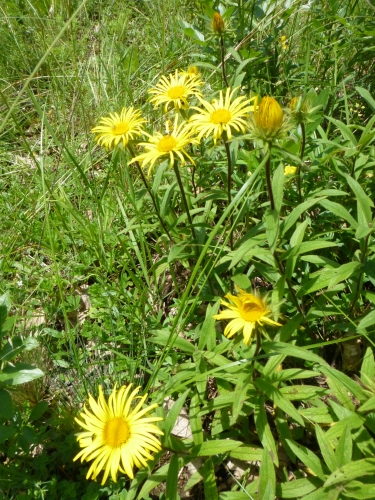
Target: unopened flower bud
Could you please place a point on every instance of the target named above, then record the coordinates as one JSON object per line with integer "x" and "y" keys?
{"x": 218, "y": 24}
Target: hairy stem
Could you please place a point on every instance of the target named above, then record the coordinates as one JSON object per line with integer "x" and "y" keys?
{"x": 229, "y": 161}
{"x": 222, "y": 50}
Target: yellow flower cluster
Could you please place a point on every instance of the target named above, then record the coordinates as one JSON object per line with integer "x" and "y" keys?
{"x": 218, "y": 119}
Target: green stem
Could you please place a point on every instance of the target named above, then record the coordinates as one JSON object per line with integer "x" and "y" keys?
{"x": 151, "y": 195}
{"x": 222, "y": 50}
{"x": 184, "y": 200}
{"x": 303, "y": 144}
{"x": 229, "y": 161}
{"x": 276, "y": 257}
{"x": 268, "y": 178}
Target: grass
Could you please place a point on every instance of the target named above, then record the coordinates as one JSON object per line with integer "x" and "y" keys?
{"x": 95, "y": 292}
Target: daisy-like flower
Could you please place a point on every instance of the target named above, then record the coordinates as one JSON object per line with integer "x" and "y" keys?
{"x": 268, "y": 120}
{"x": 119, "y": 434}
{"x": 172, "y": 144}
{"x": 221, "y": 116}
{"x": 119, "y": 128}
{"x": 246, "y": 311}
{"x": 176, "y": 89}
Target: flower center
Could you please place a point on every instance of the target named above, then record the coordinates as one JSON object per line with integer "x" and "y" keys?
{"x": 120, "y": 128}
{"x": 116, "y": 432}
{"x": 166, "y": 144}
{"x": 220, "y": 116}
{"x": 176, "y": 92}
{"x": 250, "y": 311}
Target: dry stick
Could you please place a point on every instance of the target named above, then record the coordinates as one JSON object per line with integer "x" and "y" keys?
{"x": 222, "y": 50}
{"x": 303, "y": 143}
{"x": 276, "y": 257}
{"x": 229, "y": 160}
{"x": 151, "y": 194}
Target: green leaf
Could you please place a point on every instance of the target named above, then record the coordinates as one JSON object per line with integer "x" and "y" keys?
{"x": 163, "y": 338}
{"x": 291, "y": 350}
{"x": 272, "y": 228}
{"x": 331, "y": 493}
{"x": 215, "y": 447}
{"x": 364, "y": 203}
{"x": 352, "y": 470}
{"x": 273, "y": 393}
{"x": 366, "y": 96}
{"x": 367, "y": 321}
{"x": 208, "y": 332}
{"x": 345, "y": 130}
{"x": 267, "y": 477}
{"x": 326, "y": 449}
{"x": 346, "y": 381}
{"x": 303, "y": 392}
{"x": 307, "y": 246}
{"x": 174, "y": 412}
{"x": 343, "y": 272}
{"x": 6, "y": 405}
{"x": 359, "y": 491}
{"x": 340, "y": 211}
{"x": 10, "y": 350}
{"x": 296, "y": 213}
{"x": 247, "y": 453}
{"x": 209, "y": 481}
{"x": 300, "y": 487}
{"x": 38, "y": 410}
{"x": 7, "y": 432}
{"x": 308, "y": 458}
{"x": 195, "y": 420}
{"x": 344, "y": 447}
{"x": 20, "y": 374}
{"x": 4, "y": 308}
{"x": 172, "y": 479}
{"x": 368, "y": 366}
{"x": 264, "y": 431}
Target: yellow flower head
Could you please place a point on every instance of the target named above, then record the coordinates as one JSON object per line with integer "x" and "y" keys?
{"x": 221, "y": 116}
{"x": 119, "y": 128}
{"x": 218, "y": 24}
{"x": 268, "y": 115}
{"x": 290, "y": 170}
{"x": 268, "y": 121}
{"x": 175, "y": 90}
{"x": 246, "y": 311}
{"x": 170, "y": 145}
{"x": 119, "y": 433}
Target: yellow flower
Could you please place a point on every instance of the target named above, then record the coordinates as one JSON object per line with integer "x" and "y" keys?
{"x": 268, "y": 115}
{"x": 119, "y": 128}
{"x": 171, "y": 144}
{"x": 218, "y": 24}
{"x": 221, "y": 116}
{"x": 283, "y": 41}
{"x": 268, "y": 121}
{"x": 117, "y": 436}
{"x": 246, "y": 312}
{"x": 290, "y": 170}
{"x": 176, "y": 89}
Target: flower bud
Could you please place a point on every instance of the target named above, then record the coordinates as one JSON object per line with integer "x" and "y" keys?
{"x": 268, "y": 115}
{"x": 218, "y": 24}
